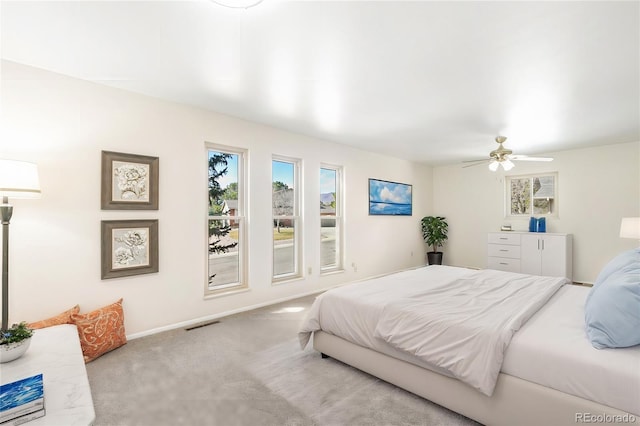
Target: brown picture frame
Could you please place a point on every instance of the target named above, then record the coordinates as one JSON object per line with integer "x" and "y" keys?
{"x": 129, "y": 181}
{"x": 129, "y": 247}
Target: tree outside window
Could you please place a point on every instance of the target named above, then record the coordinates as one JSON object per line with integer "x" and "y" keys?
{"x": 226, "y": 252}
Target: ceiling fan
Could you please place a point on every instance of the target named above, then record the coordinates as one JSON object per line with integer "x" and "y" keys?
{"x": 503, "y": 156}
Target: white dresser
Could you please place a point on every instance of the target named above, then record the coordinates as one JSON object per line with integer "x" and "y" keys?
{"x": 535, "y": 253}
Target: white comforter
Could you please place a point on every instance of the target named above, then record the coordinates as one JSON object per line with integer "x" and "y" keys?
{"x": 458, "y": 320}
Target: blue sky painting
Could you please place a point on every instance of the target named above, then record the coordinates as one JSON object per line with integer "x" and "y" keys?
{"x": 389, "y": 198}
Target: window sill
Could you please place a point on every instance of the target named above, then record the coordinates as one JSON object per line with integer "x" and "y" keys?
{"x": 214, "y": 294}
{"x": 331, "y": 272}
{"x": 287, "y": 280}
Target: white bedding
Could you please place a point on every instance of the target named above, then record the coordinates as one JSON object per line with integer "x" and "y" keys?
{"x": 352, "y": 311}
{"x": 551, "y": 349}
{"x": 464, "y": 325}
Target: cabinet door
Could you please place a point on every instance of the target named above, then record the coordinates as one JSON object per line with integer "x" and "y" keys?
{"x": 530, "y": 254}
{"x": 554, "y": 256}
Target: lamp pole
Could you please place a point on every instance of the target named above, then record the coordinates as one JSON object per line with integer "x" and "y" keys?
{"x": 18, "y": 179}
{"x": 6, "y": 211}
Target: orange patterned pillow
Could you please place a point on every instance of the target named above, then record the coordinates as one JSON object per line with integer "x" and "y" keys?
{"x": 63, "y": 318}
{"x": 101, "y": 331}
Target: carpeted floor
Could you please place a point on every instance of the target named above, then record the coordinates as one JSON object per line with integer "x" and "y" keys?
{"x": 246, "y": 370}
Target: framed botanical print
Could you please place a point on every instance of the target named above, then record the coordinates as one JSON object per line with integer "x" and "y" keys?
{"x": 129, "y": 181}
{"x": 129, "y": 247}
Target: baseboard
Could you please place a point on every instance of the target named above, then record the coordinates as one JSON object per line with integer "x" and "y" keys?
{"x": 219, "y": 315}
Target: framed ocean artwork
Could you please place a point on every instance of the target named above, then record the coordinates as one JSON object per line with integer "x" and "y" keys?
{"x": 390, "y": 198}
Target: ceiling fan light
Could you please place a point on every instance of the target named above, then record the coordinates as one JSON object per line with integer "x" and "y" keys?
{"x": 493, "y": 166}
{"x": 507, "y": 165}
{"x": 237, "y": 4}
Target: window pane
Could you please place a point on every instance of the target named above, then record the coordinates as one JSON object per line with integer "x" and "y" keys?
{"x": 328, "y": 242}
{"x": 328, "y": 183}
{"x": 543, "y": 205}
{"x": 224, "y": 262}
{"x": 543, "y": 187}
{"x": 284, "y": 250}
{"x": 282, "y": 186}
{"x": 223, "y": 183}
{"x": 520, "y": 196}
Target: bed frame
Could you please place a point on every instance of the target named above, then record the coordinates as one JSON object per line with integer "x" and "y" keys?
{"x": 514, "y": 402}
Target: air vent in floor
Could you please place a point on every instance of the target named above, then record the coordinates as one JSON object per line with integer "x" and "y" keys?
{"x": 204, "y": 324}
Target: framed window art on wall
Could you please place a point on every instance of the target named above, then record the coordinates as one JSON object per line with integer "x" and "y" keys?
{"x": 532, "y": 195}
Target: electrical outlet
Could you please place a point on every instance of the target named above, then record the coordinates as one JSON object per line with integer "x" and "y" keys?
{"x": 354, "y": 266}
{"x": 310, "y": 270}
{"x": 411, "y": 253}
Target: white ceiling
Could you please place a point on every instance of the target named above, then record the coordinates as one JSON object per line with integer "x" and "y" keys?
{"x": 428, "y": 81}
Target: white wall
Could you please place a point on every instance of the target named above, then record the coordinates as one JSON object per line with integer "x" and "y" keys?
{"x": 63, "y": 123}
{"x": 596, "y": 186}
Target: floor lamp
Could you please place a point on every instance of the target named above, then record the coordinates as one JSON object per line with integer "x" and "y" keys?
{"x": 18, "y": 179}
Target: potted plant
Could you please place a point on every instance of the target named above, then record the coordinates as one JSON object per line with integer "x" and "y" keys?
{"x": 434, "y": 232}
{"x": 14, "y": 341}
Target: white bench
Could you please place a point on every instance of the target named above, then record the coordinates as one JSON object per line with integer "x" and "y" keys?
{"x": 55, "y": 352}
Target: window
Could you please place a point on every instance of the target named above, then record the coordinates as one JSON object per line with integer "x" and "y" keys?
{"x": 330, "y": 218}
{"x": 286, "y": 218}
{"x": 532, "y": 195}
{"x": 226, "y": 251}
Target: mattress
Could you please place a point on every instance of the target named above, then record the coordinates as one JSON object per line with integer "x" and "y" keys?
{"x": 551, "y": 349}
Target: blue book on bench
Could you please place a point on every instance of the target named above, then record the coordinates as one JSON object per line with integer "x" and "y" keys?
{"x": 21, "y": 397}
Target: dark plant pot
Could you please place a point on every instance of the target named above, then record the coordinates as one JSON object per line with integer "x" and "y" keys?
{"x": 434, "y": 258}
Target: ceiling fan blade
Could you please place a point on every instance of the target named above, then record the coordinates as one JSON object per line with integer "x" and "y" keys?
{"x": 527, "y": 158}
{"x": 475, "y": 163}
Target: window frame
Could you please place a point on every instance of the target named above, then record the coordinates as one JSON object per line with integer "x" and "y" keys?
{"x": 240, "y": 218}
{"x": 296, "y": 219}
{"x": 339, "y": 218}
{"x": 530, "y": 177}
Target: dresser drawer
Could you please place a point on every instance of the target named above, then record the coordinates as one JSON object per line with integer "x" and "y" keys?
{"x": 503, "y": 250}
{"x": 504, "y": 238}
{"x": 503, "y": 264}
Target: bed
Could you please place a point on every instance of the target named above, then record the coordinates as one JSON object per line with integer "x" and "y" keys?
{"x": 549, "y": 373}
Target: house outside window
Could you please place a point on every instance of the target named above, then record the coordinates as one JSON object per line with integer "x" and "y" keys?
{"x": 532, "y": 195}
{"x": 331, "y": 226}
{"x": 226, "y": 222}
{"x": 285, "y": 198}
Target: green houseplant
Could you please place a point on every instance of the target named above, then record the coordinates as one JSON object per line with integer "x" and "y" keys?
{"x": 14, "y": 341}
{"x": 434, "y": 232}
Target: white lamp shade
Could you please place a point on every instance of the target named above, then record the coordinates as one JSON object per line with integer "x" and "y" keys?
{"x": 507, "y": 165}
{"x": 19, "y": 179}
{"x": 493, "y": 166}
{"x": 630, "y": 228}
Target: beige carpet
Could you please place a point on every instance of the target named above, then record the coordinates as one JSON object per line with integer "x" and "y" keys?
{"x": 246, "y": 370}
